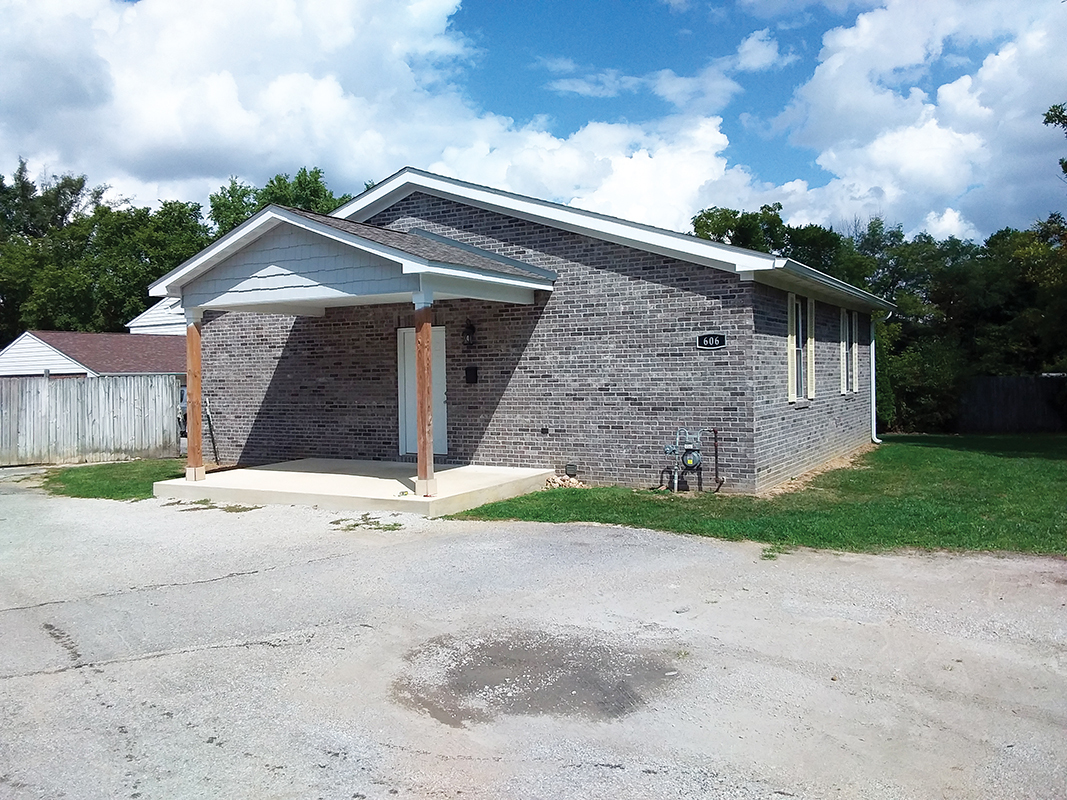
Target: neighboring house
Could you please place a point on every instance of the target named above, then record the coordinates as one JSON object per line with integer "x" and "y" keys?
{"x": 75, "y": 354}
{"x": 547, "y": 336}
{"x": 165, "y": 317}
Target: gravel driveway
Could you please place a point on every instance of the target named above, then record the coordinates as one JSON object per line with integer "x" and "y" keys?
{"x": 173, "y": 651}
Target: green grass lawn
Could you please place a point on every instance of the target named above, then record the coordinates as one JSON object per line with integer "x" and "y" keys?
{"x": 125, "y": 480}
{"x": 933, "y": 492}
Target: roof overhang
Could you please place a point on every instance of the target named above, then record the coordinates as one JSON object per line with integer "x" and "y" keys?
{"x": 437, "y": 279}
{"x": 749, "y": 264}
{"x": 587, "y": 223}
{"x": 792, "y": 276}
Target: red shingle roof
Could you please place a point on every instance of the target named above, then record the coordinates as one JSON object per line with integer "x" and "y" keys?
{"x": 120, "y": 353}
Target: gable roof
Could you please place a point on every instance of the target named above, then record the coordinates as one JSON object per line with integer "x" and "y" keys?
{"x": 416, "y": 251}
{"x": 434, "y": 249}
{"x": 750, "y": 265}
{"x": 119, "y": 353}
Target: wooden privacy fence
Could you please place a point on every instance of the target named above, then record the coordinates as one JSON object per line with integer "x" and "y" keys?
{"x": 1014, "y": 404}
{"x": 71, "y": 420}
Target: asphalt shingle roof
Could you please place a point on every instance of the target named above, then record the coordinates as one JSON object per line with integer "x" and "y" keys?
{"x": 120, "y": 353}
{"x": 430, "y": 249}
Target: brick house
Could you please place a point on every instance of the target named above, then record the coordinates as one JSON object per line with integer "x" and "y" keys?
{"x": 504, "y": 330}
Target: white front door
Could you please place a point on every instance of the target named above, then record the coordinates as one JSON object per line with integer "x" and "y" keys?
{"x": 405, "y": 353}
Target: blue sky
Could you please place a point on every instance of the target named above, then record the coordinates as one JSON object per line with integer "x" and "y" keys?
{"x": 927, "y": 112}
{"x": 527, "y": 48}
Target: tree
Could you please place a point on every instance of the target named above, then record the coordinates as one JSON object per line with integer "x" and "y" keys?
{"x": 236, "y": 202}
{"x": 232, "y": 204}
{"x": 814, "y": 246}
{"x": 1057, "y": 117}
{"x": 93, "y": 275}
{"x": 31, "y": 211}
{"x": 70, "y": 261}
{"x": 761, "y": 230}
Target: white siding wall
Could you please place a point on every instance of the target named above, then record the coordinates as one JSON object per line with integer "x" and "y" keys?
{"x": 292, "y": 265}
{"x": 165, "y": 318}
{"x": 28, "y": 355}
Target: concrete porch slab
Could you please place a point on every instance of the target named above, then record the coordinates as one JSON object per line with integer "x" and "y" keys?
{"x": 357, "y": 486}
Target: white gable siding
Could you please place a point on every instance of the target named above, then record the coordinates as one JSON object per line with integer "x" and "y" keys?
{"x": 164, "y": 318}
{"x": 292, "y": 265}
{"x": 28, "y": 355}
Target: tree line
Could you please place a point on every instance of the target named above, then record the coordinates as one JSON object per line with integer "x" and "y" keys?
{"x": 70, "y": 260}
{"x": 964, "y": 308}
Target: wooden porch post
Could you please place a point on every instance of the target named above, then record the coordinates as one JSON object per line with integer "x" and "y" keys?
{"x": 194, "y": 467}
{"x": 425, "y": 484}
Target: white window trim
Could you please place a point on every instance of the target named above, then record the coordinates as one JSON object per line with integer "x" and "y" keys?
{"x": 811, "y": 349}
{"x": 844, "y": 351}
{"x": 850, "y": 351}
{"x": 791, "y": 346}
{"x": 855, "y": 351}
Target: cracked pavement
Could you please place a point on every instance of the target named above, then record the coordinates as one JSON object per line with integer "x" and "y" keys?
{"x": 288, "y": 652}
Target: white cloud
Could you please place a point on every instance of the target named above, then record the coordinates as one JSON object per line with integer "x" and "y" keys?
{"x": 557, "y": 65}
{"x": 609, "y": 83}
{"x": 166, "y": 100}
{"x": 706, "y": 92}
{"x": 159, "y": 94}
{"x": 949, "y": 223}
{"x": 759, "y": 51}
{"x": 976, "y": 147}
{"x": 775, "y": 8}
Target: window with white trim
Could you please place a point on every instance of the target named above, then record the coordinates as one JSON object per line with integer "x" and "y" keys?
{"x": 849, "y": 350}
{"x": 801, "y": 347}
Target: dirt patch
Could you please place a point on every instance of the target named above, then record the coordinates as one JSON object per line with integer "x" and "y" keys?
{"x": 801, "y": 481}
{"x": 460, "y": 681}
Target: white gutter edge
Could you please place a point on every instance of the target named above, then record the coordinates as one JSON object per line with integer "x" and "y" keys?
{"x": 874, "y": 393}
{"x": 830, "y": 282}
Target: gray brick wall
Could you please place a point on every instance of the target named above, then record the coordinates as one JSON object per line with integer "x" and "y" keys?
{"x": 598, "y": 373}
{"x": 792, "y": 438}
{"x": 607, "y": 362}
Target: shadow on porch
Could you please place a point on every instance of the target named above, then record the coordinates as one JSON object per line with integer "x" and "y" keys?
{"x": 358, "y": 486}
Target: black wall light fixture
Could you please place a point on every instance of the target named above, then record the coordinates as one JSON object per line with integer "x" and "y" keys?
{"x": 468, "y": 334}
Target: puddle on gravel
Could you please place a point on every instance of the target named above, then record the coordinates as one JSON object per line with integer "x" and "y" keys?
{"x": 457, "y": 681}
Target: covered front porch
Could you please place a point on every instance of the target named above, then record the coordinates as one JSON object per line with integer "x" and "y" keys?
{"x": 358, "y": 486}
{"x": 298, "y": 264}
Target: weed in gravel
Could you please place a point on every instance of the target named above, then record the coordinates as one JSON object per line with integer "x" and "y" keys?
{"x": 365, "y": 522}
{"x": 209, "y": 505}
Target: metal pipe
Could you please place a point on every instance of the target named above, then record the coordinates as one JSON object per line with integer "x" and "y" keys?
{"x": 678, "y": 455}
{"x": 718, "y": 481}
{"x": 874, "y": 393}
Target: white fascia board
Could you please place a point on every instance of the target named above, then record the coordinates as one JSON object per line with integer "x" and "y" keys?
{"x": 575, "y": 220}
{"x": 413, "y": 264}
{"x": 271, "y": 216}
{"x": 835, "y": 284}
{"x": 248, "y": 231}
{"x": 446, "y": 287}
{"x": 792, "y": 276}
{"x": 451, "y": 271}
